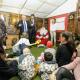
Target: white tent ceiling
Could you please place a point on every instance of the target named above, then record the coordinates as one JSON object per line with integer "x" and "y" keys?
{"x": 67, "y": 7}
{"x": 41, "y": 8}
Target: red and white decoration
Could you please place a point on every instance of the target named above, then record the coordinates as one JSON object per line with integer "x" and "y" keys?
{"x": 60, "y": 24}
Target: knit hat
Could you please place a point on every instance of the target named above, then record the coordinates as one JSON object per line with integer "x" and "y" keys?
{"x": 49, "y": 44}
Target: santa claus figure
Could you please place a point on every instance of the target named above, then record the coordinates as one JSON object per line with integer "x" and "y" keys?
{"x": 43, "y": 35}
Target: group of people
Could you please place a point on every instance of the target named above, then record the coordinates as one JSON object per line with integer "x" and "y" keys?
{"x": 62, "y": 63}
{"x": 29, "y": 28}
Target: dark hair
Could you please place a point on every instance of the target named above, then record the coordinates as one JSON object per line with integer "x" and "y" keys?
{"x": 48, "y": 56}
{"x": 2, "y": 50}
{"x": 54, "y": 20}
{"x": 32, "y": 15}
{"x": 77, "y": 43}
{"x": 66, "y": 35}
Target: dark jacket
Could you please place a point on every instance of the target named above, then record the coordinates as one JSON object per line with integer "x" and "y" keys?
{"x": 64, "y": 54}
{"x": 7, "y": 71}
{"x": 2, "y": 29}
{"x": 21, "y": 26}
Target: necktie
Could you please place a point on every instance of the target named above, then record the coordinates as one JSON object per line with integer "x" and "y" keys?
{"x": 32, "y": 22}
{"x": 25, "y": 26}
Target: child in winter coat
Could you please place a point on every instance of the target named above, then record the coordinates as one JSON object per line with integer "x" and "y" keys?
{"x": 48, "y": 68}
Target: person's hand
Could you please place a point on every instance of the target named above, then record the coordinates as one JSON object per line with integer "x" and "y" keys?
{"x": 20, "y": 25}
{"x": 4, "y": 46}
{"x": 9, "y": 59}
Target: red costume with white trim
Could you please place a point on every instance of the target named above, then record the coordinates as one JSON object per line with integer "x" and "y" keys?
{"x": 43, "y": 35}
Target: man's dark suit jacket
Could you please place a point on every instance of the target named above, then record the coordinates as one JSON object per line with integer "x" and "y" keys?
{"x": 21, "y": 26}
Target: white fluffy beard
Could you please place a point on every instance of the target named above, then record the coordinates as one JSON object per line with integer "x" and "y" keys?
{"x": 43, "y": 31}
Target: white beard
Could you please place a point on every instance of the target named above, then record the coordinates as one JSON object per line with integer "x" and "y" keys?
{"x": 43, "y": 31}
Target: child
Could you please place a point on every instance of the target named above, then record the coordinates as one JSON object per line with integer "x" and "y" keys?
{"x": 26, "y": 65}
{"x": 48, "y": 67}
{"x": 18, "y": 47}
{"x": 49, "y": 49}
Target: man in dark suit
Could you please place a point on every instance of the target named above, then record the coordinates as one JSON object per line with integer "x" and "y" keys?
{"x": 24, "y": 26}
{"x": 32, "y": 29}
